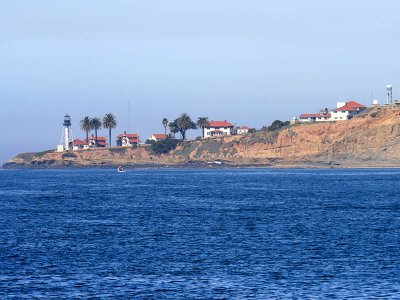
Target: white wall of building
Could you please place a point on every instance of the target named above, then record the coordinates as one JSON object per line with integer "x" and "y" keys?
{"x": 225, "y": 130}
{"x": 344, "y": 114}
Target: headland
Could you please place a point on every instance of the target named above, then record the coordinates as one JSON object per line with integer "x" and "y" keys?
{"x": 371, "y": 139}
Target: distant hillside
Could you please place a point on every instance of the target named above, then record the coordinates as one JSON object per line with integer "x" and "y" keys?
{"x": 369, "y": 140}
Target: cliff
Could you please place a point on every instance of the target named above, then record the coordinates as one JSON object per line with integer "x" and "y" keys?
{"x": 372, "y": 139}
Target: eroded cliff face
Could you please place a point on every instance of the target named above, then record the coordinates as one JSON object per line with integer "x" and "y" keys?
{"x": 370, "y": 140}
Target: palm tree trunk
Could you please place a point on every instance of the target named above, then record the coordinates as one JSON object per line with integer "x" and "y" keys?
{"x": 95, "y": 133}
{"x": 203, "y": 132}
{"x": 87, "y": 136}
{"x": 109, "y": 134}
{"x": 165, "y": 129}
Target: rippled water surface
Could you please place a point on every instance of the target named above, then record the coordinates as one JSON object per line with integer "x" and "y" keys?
{"x": 203, "y": 234}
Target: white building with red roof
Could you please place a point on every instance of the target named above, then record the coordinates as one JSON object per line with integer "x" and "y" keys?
{"x": 79, "y": 144}
{"x": 127, "y": 139}
{"x": 346, "y": 110}
{"x": 157, "y": 137}
{"x": 100, "y": 142}
{"x": 343, "y": 111}
{"x": 321, "y": 117}
{"x": 243, "y": 130}
{"x": 218, "y": 128}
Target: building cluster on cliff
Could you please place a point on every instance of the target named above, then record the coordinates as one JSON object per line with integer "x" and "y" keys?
{"x": 210, "y": 129}
{"x": 343, "y": 111}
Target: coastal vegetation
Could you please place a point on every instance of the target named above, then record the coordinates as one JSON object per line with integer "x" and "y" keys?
{"x": 164, "y": 146}
{"x": 182, "y": 124}
{"x": 86, "y": 126}
{"x": 276, "y": 125}
{"x": 109, "y": 122}
{"x": 165, "y": 124}
{"x": 95, "y": 124}
{"x": 69, "y": 155}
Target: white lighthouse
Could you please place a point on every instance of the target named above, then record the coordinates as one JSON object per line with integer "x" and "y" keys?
{"x": 65, "y": 135}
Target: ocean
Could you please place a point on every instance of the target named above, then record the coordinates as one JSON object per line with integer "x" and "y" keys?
{"x": 200, "y": 234}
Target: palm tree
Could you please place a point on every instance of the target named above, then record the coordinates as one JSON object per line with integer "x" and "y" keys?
{"x": 110, "y": 122}
{"x": 202, "y": 122}
{"x": 165, "y": 124}
{"x": 184, "y": 123}
{"x": 173, "y": 127}
{"x": 86, "y": 126}
{"x": 95, "y": 123}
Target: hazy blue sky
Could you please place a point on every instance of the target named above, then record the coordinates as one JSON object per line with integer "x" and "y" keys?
{"x": 249, "y": 62}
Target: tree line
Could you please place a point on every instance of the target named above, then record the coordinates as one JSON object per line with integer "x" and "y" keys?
{"x": 180, "y": 125}
{"x": 183, "y": 123}
{"x": 88, "y": 124}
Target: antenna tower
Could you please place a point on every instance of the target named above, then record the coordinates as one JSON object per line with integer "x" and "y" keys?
{"x": 389, "y": 94}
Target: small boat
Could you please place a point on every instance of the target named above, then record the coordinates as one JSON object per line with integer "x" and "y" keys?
{"x": 120, "y": 169}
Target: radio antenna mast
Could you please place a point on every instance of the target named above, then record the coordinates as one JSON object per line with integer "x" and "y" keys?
{"x": 129, "y": 116}
{"x": 389, "y": 94}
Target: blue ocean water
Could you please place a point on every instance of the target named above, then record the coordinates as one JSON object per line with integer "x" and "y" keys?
{"x": 200, "y": 234}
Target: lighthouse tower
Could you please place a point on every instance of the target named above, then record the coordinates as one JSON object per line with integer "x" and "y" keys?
{"x": 67, "y": 130}
{"x": 65, "y": 135}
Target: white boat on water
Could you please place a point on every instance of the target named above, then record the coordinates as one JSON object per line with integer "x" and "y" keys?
{"x": 120, "y": 169}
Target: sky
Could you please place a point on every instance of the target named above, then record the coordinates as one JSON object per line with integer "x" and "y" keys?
{"x": 249, "y": 62}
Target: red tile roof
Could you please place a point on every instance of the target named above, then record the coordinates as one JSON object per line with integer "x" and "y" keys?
{"x": 220, "y": 124}
{"x": 217, "y": 131}
{"x": 159, "y": 135}
{"x": 128, "y": 135}
{"x": 102, "y": 143}
{"x": 79, "y": 142}
{"x": 351, "y": 105}
{"x": 244, "y": 127}
{"x": 314, "y": 115}
{"x": 99, "y": 138}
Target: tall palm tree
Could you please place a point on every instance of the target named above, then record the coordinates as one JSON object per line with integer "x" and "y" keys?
{"x": 165, "y": 124}
{"x": 95, "y": 123}
{"x": 110, "y": 122}
{"x": 202, "y": 122}
{"x": 86, "y": 126}
{"x": 184, "y": 123}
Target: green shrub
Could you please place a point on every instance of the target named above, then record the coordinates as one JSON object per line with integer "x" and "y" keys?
{"x": 164, "y": 146}
{"x": 276, "y": 125}
{"x": 69, "y": 155}
{"x": 39, "y": 154}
